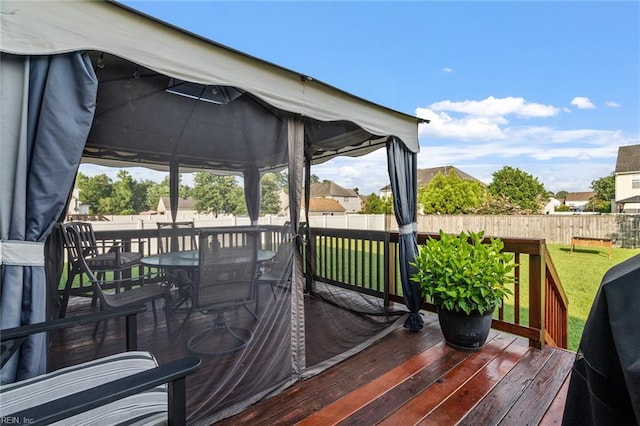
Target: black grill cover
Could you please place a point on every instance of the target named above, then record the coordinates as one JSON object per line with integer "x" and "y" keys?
{"x": 605, "y": 381}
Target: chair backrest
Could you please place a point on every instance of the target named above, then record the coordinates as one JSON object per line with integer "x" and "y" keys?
{"x": 172, "y": 237}
{"x": 226, "y": 273}
{"x": 87, "y": 244}
{"x": 75, "y": 239}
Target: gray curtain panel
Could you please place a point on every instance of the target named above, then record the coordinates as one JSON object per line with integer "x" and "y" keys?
{"x": 402, "y": 172}
{"x": 45, "y": 123}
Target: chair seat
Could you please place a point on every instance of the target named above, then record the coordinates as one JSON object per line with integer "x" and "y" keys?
{"x": 146, "y": 408}
{"x": 108, "y": 260}
{"x": 141, "y": 294}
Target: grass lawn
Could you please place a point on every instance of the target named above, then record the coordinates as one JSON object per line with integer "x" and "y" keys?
{"x": 581, "y": 273}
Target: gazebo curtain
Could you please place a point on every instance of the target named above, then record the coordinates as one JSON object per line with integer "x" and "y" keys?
{"x": 403, "y": 175}
{"x": 41, "y": 149}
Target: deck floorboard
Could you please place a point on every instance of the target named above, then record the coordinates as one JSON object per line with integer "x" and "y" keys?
{"x": 402, "y": 379}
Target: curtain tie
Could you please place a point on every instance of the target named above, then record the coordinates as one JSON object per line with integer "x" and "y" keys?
{"x": 408, "y": 229}
{"x": 21, "y": 253}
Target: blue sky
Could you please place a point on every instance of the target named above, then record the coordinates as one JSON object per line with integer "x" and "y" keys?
{"x": 552, "y": 88}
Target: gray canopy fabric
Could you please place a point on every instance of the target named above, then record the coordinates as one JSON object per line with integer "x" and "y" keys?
{"x": 41, "y": 150}
{"x": 403, "y": 174}
{"x": 39, "y": 28}
{"x": 170, "y": 100}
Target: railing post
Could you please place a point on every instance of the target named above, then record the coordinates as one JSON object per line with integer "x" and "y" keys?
{"x": 537, "y": 290}
{"x": 389, "y": 266}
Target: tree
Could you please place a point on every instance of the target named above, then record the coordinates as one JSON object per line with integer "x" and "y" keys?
{"x": 93, "y": 190}
{"x": 605, "y": 187}
{"x": 270, "y": 186}
{"x": 561, "y": 195}
{"x": 122, "y": 197}
{"x": 450, "y": 194}
{"x": 495, "y": 204}
{"x": 218, "y": 194}
{"x": 521, "y": 189}
{"x": 377, "y": 205}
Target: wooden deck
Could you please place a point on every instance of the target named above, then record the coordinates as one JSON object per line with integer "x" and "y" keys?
{"x": 404, "y": 378}
{"x": 415, "y": 378}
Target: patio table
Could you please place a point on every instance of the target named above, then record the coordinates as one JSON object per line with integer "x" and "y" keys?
{"x": 189, "y": 259}
{"x": 180, "y": 266}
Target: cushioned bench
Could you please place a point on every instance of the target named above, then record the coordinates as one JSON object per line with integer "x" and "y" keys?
{"x": 148, "y": 407}
{"x": 128, "y": 387}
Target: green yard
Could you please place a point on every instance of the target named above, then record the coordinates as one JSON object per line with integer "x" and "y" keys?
{"x": 581, "y": 273}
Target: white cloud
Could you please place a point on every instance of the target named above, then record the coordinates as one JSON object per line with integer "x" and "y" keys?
{"x": 447, "y": 70}
{"x": 497, "y": 107}
{"x": 612, "y": 104}
{"x": 478, "y": 137}
{"x": 582, "y": 102}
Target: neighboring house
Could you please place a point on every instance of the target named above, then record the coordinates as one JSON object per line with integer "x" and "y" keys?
{"x": 77, "y": 210}
{"x": 348, "y": 198}
{"x": 627, "y": 176}
{"x": 426, "y": 175}
{"x": 75, "y": 206}
{"x": 186, "y": 205}
{"x": 324, "y": 207}
{"x": 577, "y": 201}
{"x": 550, "y": 207}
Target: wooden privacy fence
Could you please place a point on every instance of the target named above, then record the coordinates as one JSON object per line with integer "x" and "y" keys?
{"x": 622, "y": 229}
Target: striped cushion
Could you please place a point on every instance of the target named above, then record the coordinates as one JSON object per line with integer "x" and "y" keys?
{"x": 146, "y": 408}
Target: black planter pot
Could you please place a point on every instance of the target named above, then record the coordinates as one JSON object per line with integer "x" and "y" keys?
{"x": 465, "y": 332}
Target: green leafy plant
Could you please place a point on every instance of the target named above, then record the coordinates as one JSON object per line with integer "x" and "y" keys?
{"x": 461, "y": 273}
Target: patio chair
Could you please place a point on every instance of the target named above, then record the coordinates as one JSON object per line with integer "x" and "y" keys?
{"x": 101, "y": 261}
{"x": 137, "y": 292}
{"x": 277, "y": 271}
{"x": 110, "y": 390}
{"x": 226, "y": 281}
{"x": 170, "y": 238}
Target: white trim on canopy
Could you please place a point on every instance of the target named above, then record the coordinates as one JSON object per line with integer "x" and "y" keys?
{"x": 49, "y": 27}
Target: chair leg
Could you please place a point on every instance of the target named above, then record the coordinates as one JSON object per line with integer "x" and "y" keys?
{"x": 65, "y": 297}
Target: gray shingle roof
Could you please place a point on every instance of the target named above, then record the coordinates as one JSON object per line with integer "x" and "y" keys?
{"x": 328, "y": 188}
{"x": 628, "y": 159}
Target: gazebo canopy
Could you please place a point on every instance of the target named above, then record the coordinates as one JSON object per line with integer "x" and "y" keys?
{"x": 97, "y": 80}
{"x": 165, "y": 93}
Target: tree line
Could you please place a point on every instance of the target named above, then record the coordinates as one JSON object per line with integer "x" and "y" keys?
{"x": 511, "y": 191}
{"x": 211, "y": 193}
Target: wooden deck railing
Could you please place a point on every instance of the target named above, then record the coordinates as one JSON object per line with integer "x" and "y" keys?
{"x": 367, "y": 262}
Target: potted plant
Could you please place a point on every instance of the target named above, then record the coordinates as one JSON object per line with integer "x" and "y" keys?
{"x": 466, "y": 279}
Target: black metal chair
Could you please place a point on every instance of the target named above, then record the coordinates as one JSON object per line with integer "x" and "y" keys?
{"x": 172, "y": 238}
{"x": 277, "y": 271}
{"x": 101, "y": 260}
{"x": 135, "y": 292}
{"x": 226, "y": 281}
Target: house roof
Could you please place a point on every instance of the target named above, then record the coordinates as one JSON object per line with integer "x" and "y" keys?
{"x": 628, "y": 159}
{"x": 579, "y": 196}
{"x": 184, "y": 203}
{"x": 426, "y": 175}
{"x": 328, "y": 188}
{"x": 325, "y": 205}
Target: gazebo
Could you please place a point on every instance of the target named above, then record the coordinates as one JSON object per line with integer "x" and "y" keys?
{"x": 98, "y": 82}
